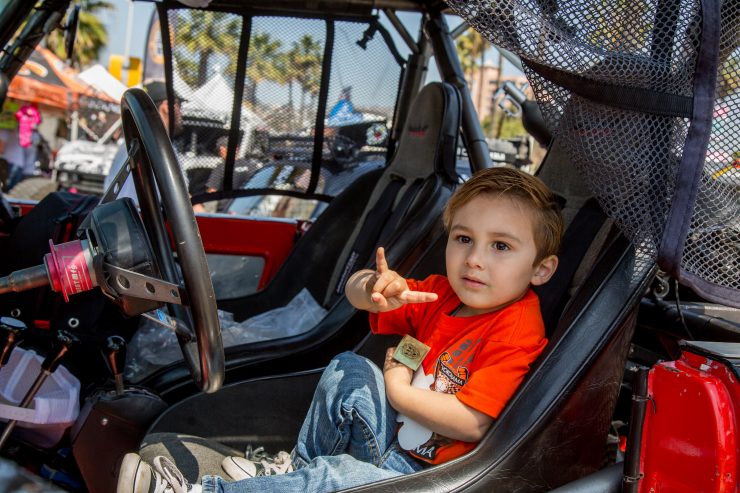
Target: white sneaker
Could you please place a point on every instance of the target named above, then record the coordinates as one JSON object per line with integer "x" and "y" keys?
{"x": 257, "y": 463}
{"x": 136, "y": 476}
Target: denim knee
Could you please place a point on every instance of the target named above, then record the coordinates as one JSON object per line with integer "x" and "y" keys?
{"x": 349, "y": 362}
{"x": 346, "y": 367}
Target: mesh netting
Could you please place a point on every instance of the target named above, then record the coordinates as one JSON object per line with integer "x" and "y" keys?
{"x": 615, "y": 82}
{"x": 307, "y": 85}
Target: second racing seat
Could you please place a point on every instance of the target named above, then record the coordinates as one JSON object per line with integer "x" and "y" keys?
{"x": 406, "y": 196}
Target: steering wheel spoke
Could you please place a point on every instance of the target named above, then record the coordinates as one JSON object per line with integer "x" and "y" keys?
{"x": 123, "y": 173}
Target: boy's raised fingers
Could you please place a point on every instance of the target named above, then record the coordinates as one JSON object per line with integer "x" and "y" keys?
{"x": 381, "y": 265}
{"x": 382, "y": 281}
{"x": 418, "y": 297}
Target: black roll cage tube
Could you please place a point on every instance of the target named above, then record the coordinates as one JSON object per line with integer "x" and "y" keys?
{"x": 45, "y": 19}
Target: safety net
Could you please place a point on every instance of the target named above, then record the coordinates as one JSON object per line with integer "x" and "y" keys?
{"x": 279, "y": 113}
{"x": 645, "y": 97}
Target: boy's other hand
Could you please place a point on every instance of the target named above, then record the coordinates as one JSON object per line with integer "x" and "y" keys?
{"x": 390, "y": 290}
{"x": 395, "y": 372}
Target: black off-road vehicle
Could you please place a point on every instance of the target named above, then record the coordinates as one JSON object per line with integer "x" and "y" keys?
{"x": 637, "y": 389}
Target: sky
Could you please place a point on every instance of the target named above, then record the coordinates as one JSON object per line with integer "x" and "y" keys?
{"x": 138, "y": 15}
{"x": 117, "y": 20}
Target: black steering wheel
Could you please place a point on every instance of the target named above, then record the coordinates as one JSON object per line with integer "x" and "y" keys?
{"x": 155, "y": 168}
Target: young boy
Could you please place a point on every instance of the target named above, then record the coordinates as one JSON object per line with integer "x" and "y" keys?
{"x": 481, "y": 322}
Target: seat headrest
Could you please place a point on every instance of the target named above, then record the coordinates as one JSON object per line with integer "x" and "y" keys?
{"x": 431, "y": 132}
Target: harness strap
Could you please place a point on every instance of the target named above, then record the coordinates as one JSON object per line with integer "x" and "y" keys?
{"x": 370, "y": 232}
{"x": 399, "y": 212}
{"x": 576, "y": 242}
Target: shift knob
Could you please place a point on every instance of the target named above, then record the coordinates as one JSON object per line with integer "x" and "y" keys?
{"x": 12, "y": 332}
{"x": 64, "y": 341}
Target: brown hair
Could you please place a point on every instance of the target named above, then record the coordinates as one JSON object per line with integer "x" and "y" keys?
{"x": 528, "y": 190}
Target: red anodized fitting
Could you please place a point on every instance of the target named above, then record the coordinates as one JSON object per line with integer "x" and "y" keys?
{"x": 70, "y": 268}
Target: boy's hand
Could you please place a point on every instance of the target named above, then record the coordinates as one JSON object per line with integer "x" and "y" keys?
{"x": 394, "y": 372}
{"x": 390, "y": 290}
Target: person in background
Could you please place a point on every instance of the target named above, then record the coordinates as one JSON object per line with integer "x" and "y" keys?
{"x": 28, "y": 117}
{"x": 12, "y": 152}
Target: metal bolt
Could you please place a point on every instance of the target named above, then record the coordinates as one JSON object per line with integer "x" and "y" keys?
{"x": 104, "y": 422}
{"x": 73, "y": 323}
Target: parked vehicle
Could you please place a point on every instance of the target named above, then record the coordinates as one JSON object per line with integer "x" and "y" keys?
{"x": 81, "y": 166}
{"x": 637, "y": 389}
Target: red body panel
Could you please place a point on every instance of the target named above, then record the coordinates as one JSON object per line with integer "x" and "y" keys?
{"x": 271, "y": 240}
{"x": 690, "y": 434}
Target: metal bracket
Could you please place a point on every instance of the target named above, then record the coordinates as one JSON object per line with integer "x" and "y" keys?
{"x": 131, "y": 283}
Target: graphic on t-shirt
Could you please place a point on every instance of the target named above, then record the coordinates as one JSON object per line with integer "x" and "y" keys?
{"x": 418, "y": 440}
{"x": 447, "y": 379}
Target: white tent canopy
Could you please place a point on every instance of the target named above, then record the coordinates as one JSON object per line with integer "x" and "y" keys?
{"x": 102, "y": 80}
{"x": 181, "y": 87}
{"x": 216, "y": 96}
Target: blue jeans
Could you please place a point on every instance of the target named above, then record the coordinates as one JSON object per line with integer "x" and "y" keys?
{"x": 15, "y": 175}
{"x": 347, "y": 439}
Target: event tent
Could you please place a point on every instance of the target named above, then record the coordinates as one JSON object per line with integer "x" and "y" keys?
{"x": 44, "y": 80}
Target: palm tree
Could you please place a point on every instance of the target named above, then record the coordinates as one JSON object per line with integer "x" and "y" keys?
{"x": 265, "y": 64}
{"x": 91, "y": 34}
{"x": 464, "y": 47}
{"x": 472, "y": 46}
{"x": 306, "y": 56}
{"x": 201, "y": 34}
{"x": 729, "y": 83}
{"x": 621, "y": 27}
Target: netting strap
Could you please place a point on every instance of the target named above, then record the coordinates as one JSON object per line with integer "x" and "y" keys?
{"x": 697, "y": 140}
{"x": 236, "y": 112}
{"x": 164, "y": 26}
{"x": 318, "y": 146}
{"x": 625, "y": 98}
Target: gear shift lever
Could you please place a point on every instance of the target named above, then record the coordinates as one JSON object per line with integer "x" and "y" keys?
{"x": 12, "y": 332}
{"x": 115, "y": 356}
{"x": 64, "y": 341}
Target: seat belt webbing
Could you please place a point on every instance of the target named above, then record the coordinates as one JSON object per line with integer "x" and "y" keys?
{"x": 576, "y": 242}
{"x": 371, "y": 228}
{"x": 399, "y": 212}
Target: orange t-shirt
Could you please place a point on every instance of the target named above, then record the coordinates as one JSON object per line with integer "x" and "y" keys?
{"x": 480, "y": 359}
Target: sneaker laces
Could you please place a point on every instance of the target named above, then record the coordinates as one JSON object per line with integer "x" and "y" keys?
{"x": 280, "y": 464}
{"x": 256, "y": 455}
{"x": 271, "y": 465}
{"x": 168, "y": 478}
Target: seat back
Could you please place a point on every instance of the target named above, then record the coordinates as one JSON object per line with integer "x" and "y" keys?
{"x": 408, "y": 195}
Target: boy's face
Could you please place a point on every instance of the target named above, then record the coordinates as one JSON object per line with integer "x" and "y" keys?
{"x": 491, "y": 252}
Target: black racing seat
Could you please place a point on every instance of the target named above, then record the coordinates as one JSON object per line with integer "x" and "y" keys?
{"x": 406, "y": 196}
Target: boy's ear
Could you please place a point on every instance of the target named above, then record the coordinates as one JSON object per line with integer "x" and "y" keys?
{"x": 544, "y": 270}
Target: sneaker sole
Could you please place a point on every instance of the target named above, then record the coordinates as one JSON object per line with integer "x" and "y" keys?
{"x": 140, "y": 472}
{"x": 234, "y": 470}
